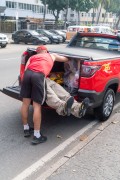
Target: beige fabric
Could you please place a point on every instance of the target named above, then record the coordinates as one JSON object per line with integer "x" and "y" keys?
{"x": 57, "y": 97}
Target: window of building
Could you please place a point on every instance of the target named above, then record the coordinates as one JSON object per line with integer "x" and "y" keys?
{"x": 25, "y": 6}
{"x": 82, "y": 14}
{"x": 103, "y": 15}
{"x": 10, "y": 4}
{"x": 88, "y": 14}
{"x": 93, "y": 14}
{"x": 29, "y": 7}
{"x": 33, "y": 8}
{"x": 110, "y": 15}
{"x": 72, "y": 15}
{"x": 20, "y": 5}
{"x": 42, "y": 9}
{"x": 38, "y": 9}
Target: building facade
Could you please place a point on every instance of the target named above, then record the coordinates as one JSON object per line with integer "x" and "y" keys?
{"x": 25, "y": 14}
{"x": 87, "y": 18}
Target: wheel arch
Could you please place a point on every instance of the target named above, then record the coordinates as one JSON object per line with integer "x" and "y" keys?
{"x": 112, "y": 84}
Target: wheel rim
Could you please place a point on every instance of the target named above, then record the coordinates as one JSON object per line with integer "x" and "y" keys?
{"x": 108, "y": 105}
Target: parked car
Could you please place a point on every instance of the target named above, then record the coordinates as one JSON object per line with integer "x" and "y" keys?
{"x": 60, "y": 33}
{"x": 96, "y": 60}
{"x": 29, "y": 36}
{"x": 52, "y": 37}
{"x": 118, "y": 32}
{"x": 3, "y": 40}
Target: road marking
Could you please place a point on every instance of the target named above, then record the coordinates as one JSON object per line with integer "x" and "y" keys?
{"x": 37, "y": 165}
{"x": 10, "y": 59}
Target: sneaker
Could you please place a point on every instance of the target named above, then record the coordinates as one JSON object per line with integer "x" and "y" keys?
{"x": 68, "y": 106}
{"x": 31, "y": 130}
{"x": 27, "y": 133}
{"x": 84, "y": 106}
{"x": 39, "y": 140}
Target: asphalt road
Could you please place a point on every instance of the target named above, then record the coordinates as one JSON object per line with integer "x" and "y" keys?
{"x": 16, "y": 152}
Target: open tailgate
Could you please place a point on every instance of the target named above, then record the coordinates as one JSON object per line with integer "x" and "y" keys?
{"x": 13, "y": 92}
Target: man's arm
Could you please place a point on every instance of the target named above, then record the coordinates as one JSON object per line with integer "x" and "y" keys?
{"x": 59, "y": 58}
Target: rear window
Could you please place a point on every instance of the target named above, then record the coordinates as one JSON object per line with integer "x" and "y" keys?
{"x": 96, "y": 43}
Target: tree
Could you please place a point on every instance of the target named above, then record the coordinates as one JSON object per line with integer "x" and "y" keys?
{"x": 83, "y": 5}
{"x": 115, "y": 8}
{"x": 44, "y": 13}
{"x": 95, "y": 5}
{"x": 56, "y": 6}
{"x": 103, "y": 4}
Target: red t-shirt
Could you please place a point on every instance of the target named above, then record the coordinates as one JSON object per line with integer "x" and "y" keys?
{"x": 41, "y": 63}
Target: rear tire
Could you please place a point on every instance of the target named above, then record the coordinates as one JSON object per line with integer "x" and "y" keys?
{"x": 3, "y": 46}
{"x": 16, "y": 41}
{"x": 35, "y": 42}
{"x": 104, "y": 111}
{"x": 51, "y": 41}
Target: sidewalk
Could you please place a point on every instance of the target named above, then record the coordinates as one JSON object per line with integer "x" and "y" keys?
{"x": 98, "y": 160}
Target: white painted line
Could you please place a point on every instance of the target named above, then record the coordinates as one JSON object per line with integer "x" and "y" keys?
{"x": 36, "y": 166}
{"x": 53, "y": 168}
{"x": 66, "y": 158}
{"x": 10, "y": 59}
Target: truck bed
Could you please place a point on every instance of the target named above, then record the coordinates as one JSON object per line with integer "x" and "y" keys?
{"x": 93, "y": 54}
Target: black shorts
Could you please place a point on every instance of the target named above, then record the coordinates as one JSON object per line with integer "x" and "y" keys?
{"x": 33, "y": 86}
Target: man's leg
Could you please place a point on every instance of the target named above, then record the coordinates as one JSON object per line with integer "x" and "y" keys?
{"x": 58, "y": 98}
{"x": 58, "y": 90}
{"x": 24, "y": 114}
{"x": 37, "y": 116}
{"x": 38, "y": 138}
{"x": 80, "y": 109}
{"x": 53, "y": 101}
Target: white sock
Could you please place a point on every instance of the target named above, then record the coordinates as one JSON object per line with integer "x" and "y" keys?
{"x": 26, "y": 127}
{"x": 37, "y": 133}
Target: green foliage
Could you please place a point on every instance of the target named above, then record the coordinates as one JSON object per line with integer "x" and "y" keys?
{"x": 115, "y": 7}
{"x": 79, "y": 5}
{"x": 57, "y": 5}
{"x": 82, "y": 5}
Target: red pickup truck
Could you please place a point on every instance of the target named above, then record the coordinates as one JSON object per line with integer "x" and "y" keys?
{"x": 98, "y": 65}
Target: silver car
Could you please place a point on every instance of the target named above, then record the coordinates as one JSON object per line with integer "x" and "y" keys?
{"x": 3, "y": 40}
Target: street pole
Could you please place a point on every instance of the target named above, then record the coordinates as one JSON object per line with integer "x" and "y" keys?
{"x": 0, "y": 23}
{"x": 44, "y": 13}
{"x": 17, "y": 17}
{"x": 66, "y": 18}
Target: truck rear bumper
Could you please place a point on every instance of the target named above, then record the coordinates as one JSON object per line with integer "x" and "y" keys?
{"x": 95, "y": 97}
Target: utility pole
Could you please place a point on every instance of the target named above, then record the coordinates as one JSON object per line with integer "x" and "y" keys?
{"x": 66, "y": 18}
{"x": 16, "y": 17}
{"x": 44, "y": 13}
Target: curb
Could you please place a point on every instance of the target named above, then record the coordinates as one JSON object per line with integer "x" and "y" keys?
{"x": 80, "y": 146}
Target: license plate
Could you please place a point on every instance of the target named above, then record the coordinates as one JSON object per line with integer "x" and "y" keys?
{"x": 3, "y": 42}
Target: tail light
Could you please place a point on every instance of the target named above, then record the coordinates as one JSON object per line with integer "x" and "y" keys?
{"x": 88, "y": 71}
{"x": 22, "y": 66}
{"x": 23, "y": 57}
